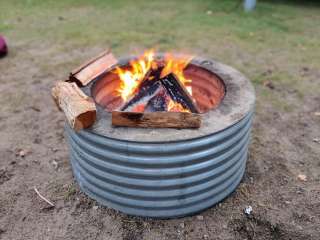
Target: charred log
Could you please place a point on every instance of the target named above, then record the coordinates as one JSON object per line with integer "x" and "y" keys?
{"x": 147, "y": 90}
{"x": 158, "y": 103}
{"x": 178, "y": 92}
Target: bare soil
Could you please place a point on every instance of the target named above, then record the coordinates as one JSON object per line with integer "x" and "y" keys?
{"x": 33, "y": 153}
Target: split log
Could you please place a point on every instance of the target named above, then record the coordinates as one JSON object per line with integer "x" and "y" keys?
{"x": 158, "y": 103}
{"x": 156, "y": 119}
{"x": 178, "y": 92}
{"x": 148, "y": 88}
{"x": 79, "y": 109}
{"x": 93, "y": 68}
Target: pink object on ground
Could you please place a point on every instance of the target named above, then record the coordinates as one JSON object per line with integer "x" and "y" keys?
{"x": 3, "y": 47}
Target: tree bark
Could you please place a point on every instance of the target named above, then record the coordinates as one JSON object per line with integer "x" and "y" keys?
{"x": 79, "y": 109}
{"x": 156, "y": 119}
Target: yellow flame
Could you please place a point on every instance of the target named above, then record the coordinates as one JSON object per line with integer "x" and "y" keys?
{"x": 176, "y": 107}
{"x": 176, "y": 66}
{"x": 131, "y": 78}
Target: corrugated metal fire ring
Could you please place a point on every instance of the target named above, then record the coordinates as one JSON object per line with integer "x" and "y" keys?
{"x": 173, "y": 177}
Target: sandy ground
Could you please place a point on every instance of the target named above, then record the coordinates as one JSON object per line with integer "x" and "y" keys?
{"x": 33, "y": 153}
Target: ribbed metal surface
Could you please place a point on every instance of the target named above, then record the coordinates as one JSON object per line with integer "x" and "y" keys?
{"x": 162, "y": 180}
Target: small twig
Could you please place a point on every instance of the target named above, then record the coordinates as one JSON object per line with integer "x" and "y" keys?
{"x": 43, "y": 198}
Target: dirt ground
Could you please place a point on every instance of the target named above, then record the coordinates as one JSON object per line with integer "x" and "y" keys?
{"x": 276, "y": 46}
{"x": 34, "y": 153}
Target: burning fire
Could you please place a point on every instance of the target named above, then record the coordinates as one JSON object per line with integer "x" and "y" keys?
{"x": 176, "y": 107}
{"x": 131, "y": 77}
{"x": 176, "y": 66}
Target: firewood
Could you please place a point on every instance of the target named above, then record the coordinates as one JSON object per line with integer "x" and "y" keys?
{"x": 178, "y": 92}
{"x": 147, "y": 89}
{"x": 156, "y": 119}
{"x": 79, "y": 109}
{"x": 93, "y": 68}
{"x": 158, "y": 103}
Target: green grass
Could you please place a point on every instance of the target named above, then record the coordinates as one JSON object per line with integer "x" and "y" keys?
{"x": 279, "y": 35}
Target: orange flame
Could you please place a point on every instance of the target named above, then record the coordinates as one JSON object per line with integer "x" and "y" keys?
{"x": 176, "y": 107}
{"x": 131, "y": 78}
{"x": 176, "y": 66}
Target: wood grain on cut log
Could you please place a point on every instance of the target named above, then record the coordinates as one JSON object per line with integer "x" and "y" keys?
{"x": 156, "y": 119}
{"x": 79, "y": 109}
{"x": 93, "y": 68}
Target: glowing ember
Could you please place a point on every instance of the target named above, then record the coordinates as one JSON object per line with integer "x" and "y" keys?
{"x": 132, "y": 75}
{"x": 176, "y": 107}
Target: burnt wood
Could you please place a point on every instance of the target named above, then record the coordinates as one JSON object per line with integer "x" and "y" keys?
{"x": 178, "y": 92}
{"x": 158, "y": 103}
{"x": 149, "y": 87}
{"x": 156, "y": 119}
{"x": 147, "y": 90}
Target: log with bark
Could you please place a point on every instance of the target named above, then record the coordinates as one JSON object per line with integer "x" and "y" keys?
{"x": 93, "y": 68}
{"x": 156, "y": 119}
{"x": 79, "y": 109}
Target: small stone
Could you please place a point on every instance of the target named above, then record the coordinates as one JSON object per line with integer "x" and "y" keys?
{"x": 287, "y": 202}
{"x": 182, "y": 225}
{"x": 302, "y": 177}
{"x": 248, "y": 210}
{"x": 22, "y": 153}
{"x": 95, "y": 207}
{"x": 209, "y": 12}
{"x": 251, "y": 179}
{"x": 200, "y": 217}
{"x": 55, "y": 149}
{"x": 317, "y": 114}
{"x": 316, "y": 140}
{"x": 206, "y": 236}
{"x": 55, "y": 164}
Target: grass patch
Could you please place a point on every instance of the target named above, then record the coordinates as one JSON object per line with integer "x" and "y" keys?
{"x": 279, "y": 35}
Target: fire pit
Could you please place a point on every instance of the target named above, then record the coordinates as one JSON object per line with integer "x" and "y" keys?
{"x": 166, "y": 172}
